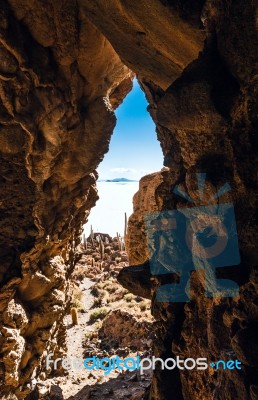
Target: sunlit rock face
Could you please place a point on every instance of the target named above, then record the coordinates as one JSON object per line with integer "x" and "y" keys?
{"x": 150, "y": 36}
{"x": 60, "y": 80}
{"x": 144, "y": 201}
{"x": 64, "y": 67}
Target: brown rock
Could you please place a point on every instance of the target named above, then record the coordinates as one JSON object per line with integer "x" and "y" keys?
{"x": 144, "y": 201}
{"x": 132, "y": 31}
{"x": 136, "y": 279}
{"x": 125, "y": 330}
{"x": 64, "y": 68}
{"x": 245, "y": 345}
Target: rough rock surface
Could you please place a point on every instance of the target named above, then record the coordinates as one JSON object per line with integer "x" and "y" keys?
{"x": 166, "y": 34}
{"x": 60, "y": 75}
{"x": 206, "y": 122}
{"x": 144, "y": 201}
{"x": 57, "y": 93}
{"x": 122, "y": 329}
{"x": 137, "y": 279}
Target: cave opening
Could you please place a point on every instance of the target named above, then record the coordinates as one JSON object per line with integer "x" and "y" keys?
{"x": 134, "y": 151}
{"x": 59, "y": 65}
{"x": 107, "y": 320}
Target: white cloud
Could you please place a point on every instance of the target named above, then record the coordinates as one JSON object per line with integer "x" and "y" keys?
{"x": 124, "y": 170}
{"x": 145, "y": 171}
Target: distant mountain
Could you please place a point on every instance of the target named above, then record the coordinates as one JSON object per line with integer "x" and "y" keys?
{"x": 120, "y": 180}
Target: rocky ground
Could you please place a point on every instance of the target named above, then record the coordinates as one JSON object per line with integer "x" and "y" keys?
{"x": 111, "y": 321}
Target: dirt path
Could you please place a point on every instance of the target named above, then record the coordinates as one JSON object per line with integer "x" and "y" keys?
{"x": 84, "y": 384}
{"x": 76, "y": 334}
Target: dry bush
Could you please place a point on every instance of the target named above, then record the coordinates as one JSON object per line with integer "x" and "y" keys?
{"x": 99, "y": 313}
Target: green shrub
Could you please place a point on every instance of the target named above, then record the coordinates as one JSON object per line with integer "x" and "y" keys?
{"x": 99, "y": 313}
{"x": 143, "y": 306}
{"x": 129, "y": 297}
{"x": 96, "y": 303}
{"x": 78, "y": 305}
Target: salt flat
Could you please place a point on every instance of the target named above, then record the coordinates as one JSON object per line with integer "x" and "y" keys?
{"x": 115, "y": 198}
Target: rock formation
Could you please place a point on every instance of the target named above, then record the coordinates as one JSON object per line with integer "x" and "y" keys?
{"x": 64, "y": 67}
{"x": 59, "y": 84}
{"x": 144, "y": 201}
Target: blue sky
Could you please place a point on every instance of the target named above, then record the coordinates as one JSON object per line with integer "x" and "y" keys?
{"x": 134, "y": 150}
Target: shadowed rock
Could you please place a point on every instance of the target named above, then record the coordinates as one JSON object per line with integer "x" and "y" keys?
{"x": 136, "y": 279}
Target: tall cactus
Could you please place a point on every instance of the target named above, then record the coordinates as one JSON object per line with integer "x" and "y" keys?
{"x": 120, "y": 243}
{"x": 74, "y": 315}
{"x": 84, "y": 239}
{"x": 101, "y": 248}
{"x": 125, "y": 229}
{"x": 92, "y": 236}
{"x": 91, "y": 232}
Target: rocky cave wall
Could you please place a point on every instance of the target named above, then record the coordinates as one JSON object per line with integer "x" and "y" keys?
{"x": 65, "y": 66}
{"x": 207, "y": 122}
{"x": 60, "y": 80}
